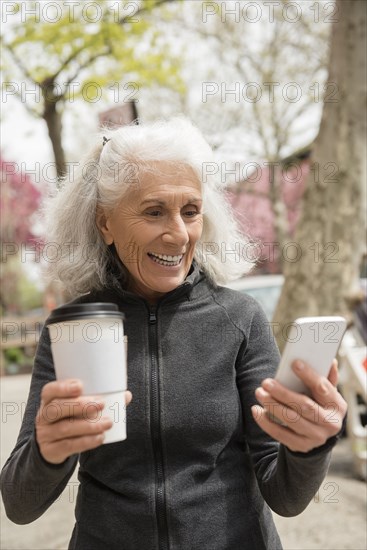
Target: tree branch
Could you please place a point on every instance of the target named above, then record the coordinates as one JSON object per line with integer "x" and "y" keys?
{"x": 20, "y": 65}
{"x": 140, "y": 10}
{"x": 101, "y": 54}
{"x": 71, "y": 57}
{"x": 86, "y": 64}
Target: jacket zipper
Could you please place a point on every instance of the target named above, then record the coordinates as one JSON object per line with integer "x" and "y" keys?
{"x": 156, "y": 434}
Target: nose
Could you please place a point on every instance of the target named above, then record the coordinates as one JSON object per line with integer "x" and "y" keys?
{"x": 175, "y": 232}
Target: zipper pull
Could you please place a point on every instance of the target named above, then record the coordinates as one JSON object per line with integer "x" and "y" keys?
{"x": 152, "y": 317}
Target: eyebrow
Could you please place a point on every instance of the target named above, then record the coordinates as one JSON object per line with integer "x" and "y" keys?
{"x": 163, "y": 203}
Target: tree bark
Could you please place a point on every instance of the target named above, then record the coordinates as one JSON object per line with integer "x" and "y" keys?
{"x": 323, "y": 272}
{"x": 279, "y": 209}
{"x": 52, "y": 117}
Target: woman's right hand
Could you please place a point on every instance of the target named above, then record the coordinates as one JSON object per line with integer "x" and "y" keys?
{"x": 69, "y": 423}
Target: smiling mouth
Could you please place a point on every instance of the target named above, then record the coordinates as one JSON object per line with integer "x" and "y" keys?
{"x": 165, "y": 259}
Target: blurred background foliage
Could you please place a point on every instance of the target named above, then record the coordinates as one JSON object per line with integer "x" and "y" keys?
{"x": 82, "y": 52}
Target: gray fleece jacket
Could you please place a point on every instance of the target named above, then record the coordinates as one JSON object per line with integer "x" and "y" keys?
{"x": 195, "y": 472}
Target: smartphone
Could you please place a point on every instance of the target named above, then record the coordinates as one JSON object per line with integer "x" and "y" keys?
{"x": 314, "y": 340}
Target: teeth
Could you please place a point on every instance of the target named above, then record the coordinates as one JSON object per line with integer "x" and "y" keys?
{"x": 167, "y": 258}
{"x": 164, "y": 259}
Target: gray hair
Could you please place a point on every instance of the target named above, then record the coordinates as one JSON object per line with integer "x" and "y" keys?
{"x": 83, "y": 260}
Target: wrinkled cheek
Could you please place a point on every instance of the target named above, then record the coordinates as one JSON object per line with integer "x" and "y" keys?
{"x": 129, "y": 253}
{"x": 197, "y": 236}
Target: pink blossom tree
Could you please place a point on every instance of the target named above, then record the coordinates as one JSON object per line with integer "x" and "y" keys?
{"x": 19, "y": 201}
{"x": 254, "y": 201}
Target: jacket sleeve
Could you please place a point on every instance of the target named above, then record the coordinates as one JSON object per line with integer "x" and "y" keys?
{"x": 287, "y": 480}
{"x": 30, "y": 484}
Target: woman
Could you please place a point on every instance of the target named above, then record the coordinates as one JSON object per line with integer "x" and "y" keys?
{"x": 144, "y": 226}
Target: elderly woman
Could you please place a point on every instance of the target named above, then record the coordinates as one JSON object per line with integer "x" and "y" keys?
{"x": 145, "y": 226}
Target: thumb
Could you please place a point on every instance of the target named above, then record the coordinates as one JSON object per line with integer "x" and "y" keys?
{"x": 334, "y": 373}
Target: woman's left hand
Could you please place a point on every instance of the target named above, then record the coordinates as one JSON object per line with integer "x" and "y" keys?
{"x": 307, "y": 421}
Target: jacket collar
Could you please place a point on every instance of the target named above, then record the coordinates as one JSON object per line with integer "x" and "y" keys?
{"x": 188, "y": 290}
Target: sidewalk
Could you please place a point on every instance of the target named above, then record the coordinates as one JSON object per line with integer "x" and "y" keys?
{"x": 334, "y": 520}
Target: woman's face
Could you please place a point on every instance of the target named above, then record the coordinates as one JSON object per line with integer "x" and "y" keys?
{"x": 155, "y": 229}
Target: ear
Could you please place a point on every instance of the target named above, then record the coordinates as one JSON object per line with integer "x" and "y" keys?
{"x": 103, "y": 225}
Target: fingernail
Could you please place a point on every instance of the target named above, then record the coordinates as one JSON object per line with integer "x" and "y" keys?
{"x": 268, "y": 384}
{"x": 323, "y": 388}
{"x": 299, "y": 365}
{"x": 256, "y": 411}
{"x": 74, "y": 386}
{"x": 260, "y": 392}
{"x": 107, "y": 421}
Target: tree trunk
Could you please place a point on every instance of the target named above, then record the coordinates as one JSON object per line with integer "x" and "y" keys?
{"x": 279, "y": 209}
{"x": 52, "y": 117}
{"x": 330, "y": 234}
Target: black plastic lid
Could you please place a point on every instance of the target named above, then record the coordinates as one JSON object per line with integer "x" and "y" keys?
{"x": 81, "y": 311}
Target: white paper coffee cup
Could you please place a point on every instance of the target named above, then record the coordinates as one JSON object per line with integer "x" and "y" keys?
{"x": 87, "y": 342}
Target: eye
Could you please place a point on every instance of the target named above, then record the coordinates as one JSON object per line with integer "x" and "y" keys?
{"x": 153, "y": 212}
{"x": 190, "y": 211}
